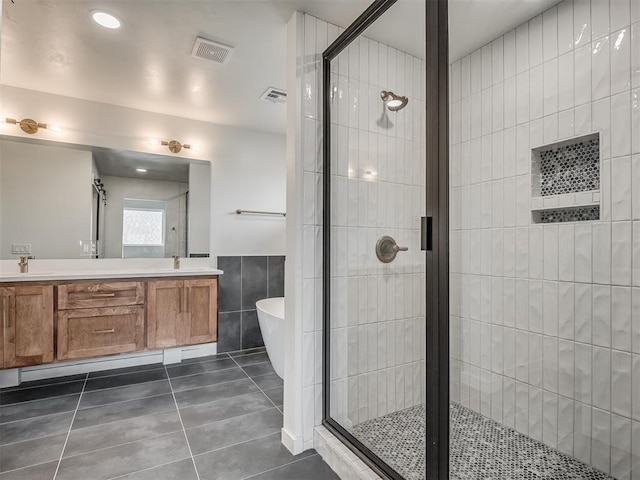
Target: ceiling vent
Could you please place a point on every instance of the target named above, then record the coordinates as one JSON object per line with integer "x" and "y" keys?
{"x": 274, "y": 95}
{"x": 210, "y": 50}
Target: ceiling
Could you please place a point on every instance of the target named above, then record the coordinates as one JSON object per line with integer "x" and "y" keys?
{"x": 53, "y": 46}
{"x": 123, "y": 163}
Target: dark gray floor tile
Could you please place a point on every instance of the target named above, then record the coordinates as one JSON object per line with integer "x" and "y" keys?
{"x": 46, "y": 381}
{"x": 126, "y": 370}
{"x": 45, "y": 471}
{"x": 249, "y": 351}
{"x": 125, "y": 379}
{"x": 310, "y": 468}
{"x": 244, "y": 360}
{"x": 267, "y": 382}
{"x": 223, "y": 409}
{"x": 121, "y": 394}
{"x": 200, "y": 367}
{"x": 37, "y": 408}
{"x": 35, "y": 427}
{"x": 259, "y": 369}
{"x": 115, "y": 412}
{"x": 230, "y": 283}
{"x": 203, "y": 379}
{"x": 254, "y": 281}
{"x": 229, "y": 324}
{"x": 243, "y": 460}
{"x": 181, "y": 470}
{"x": 31, "y": 452}
{"x": 124, "y": 459}
{"x": 234, "y": 430}
{"x": 116, "y": 433}
{"x": 250, "y": 332}
{"x": 214, "y": 392}
{"x": 39, "y": 393}
{"x": 276, "y": 395}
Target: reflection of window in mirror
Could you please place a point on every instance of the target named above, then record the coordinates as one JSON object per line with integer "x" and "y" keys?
{"x": 143, "y": 227}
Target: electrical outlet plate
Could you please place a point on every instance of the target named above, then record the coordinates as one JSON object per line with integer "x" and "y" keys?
{"x": 21, "y": 248}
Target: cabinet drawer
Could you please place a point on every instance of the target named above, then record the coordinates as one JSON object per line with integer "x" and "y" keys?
{"x": 100, "y": 331}
{"x": 91, "y": 295}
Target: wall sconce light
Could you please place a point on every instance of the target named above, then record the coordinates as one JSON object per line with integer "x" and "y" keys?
{"x": 174, "y": 145}
{"x": 30, "y": 126}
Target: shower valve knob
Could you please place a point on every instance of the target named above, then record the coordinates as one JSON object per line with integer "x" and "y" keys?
{"x": 387, "y": 249}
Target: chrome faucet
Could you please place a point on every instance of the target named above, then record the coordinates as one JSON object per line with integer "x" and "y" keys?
{"x": 24, "y": 264}
{"x": 176, "y": 262}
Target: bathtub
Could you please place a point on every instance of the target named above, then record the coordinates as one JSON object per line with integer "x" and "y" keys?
{"x": 271, "y": 320}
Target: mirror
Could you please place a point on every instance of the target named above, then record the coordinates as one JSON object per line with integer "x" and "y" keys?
{"x": 71, "y": 201}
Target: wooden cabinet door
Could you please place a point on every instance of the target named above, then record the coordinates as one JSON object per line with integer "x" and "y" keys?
{"x": 27, "y": 324}
{"x": 201, "y": 321}
{"x": 165, "y": 313}
{"x": 90, "y": 332}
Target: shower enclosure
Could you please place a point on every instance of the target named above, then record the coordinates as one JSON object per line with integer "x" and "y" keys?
{"x": 382, "y": 233}
{"x": 504, "y": 340}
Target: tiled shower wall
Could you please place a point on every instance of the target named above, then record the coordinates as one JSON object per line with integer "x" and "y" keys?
{"x": 245, "y": 281}
{"x": 376, "y": 308}
{"x": 545, "y": 319}
{"x": 378, "y": 177}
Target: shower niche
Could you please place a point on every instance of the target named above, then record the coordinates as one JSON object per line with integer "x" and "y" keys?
{"x": 565, "y": 181}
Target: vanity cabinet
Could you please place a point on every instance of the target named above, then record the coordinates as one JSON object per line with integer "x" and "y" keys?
{"x": 182, "y": 312}
{"x": 93, "y": 318}
{"x": 98, "y": 318}
{"x": 27, "y": 325}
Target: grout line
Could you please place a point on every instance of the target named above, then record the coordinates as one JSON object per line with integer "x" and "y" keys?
{"x": 124, "y": 401}
{"x": 238, "y": 443}
{"x": 80, "y": 454}
{"x": 210, "y": 385}
{"x": 73, "y": 419}
{"x": 202, "y": 373}
{"x": 250, "y": 378}
{"x": 2, "y": 424}
{"x": 184, "y": 432}
{"x": 18, "y": 388}
{"x": 281, "y": 466}
{"x": 89, "y": 392}
{"x": 24, "y": 468}
{"x": 262, "y": 410}
{"x": 148, "y": 469}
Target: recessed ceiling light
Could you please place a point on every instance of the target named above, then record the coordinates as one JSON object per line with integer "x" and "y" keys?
{"x": 141, "y": 170}
{"x": 105, "y": 20}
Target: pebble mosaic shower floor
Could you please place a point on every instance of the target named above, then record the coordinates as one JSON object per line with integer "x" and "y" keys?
{"x": 480, "y": 449}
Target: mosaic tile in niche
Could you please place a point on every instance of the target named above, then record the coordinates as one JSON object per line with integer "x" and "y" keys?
{"x": 570, "y": 168}
{"x": 578, "y": 214}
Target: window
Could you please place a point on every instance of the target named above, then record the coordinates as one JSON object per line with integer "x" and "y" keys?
{"x": 143, "y": 223}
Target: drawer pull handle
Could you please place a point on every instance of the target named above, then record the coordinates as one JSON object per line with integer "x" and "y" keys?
{"x": 109, "y": 330}
{"x": 101, "y": 295}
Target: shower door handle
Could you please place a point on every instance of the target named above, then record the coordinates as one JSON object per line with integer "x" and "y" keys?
{"x": 426, "y": 233}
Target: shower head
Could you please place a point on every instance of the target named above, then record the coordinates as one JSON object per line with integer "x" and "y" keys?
{"x": 394, "y": 102}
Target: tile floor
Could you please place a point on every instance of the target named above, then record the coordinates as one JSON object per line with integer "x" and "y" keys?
{"x": 480, "y": 448}
{"x": 214, "y": 418}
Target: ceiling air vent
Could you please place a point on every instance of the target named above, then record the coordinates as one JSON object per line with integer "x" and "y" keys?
{"x": 210, "y": 50}
{"x": 274, "y": 95}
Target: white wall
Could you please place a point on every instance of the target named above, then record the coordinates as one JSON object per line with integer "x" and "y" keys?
{"x": 546, "y": 318}
{"x": 247, "y": 165}
{"x": 249, "y": 174}
{"x": 119, "y": 188}
{"x": 45, "y": 199}
{"x": 199, "y": 207}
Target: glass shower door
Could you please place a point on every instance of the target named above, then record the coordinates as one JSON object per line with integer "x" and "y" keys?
{"x": 374, "y": 266}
